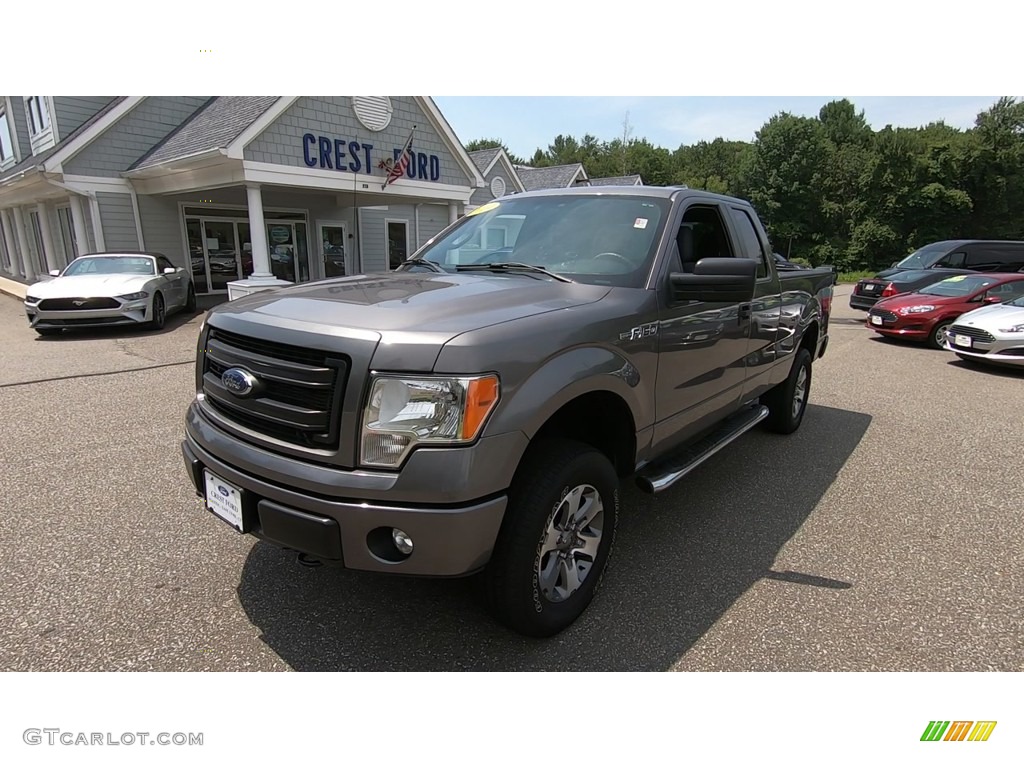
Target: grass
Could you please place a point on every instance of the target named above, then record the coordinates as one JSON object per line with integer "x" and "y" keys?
{"x": 853, "y": 277}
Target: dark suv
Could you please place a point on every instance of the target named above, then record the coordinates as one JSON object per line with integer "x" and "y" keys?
{"x": 976, "y": 255}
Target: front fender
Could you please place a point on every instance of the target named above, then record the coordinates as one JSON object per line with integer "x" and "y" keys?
{"x": 528, "y": 405}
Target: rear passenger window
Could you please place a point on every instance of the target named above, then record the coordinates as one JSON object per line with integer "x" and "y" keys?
{"x": 749, "y": 243}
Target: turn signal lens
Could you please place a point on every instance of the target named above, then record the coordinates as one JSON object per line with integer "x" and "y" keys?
{"x": 480, "y": 399}
{"x": 890, "y": 290}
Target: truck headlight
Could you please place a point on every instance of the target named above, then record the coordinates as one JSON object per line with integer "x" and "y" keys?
{"x": 403, "y": 412}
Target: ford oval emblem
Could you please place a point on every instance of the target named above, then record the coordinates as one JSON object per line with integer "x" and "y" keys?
{"x": 223, "y": 491}
{"x": 238, "y": 381}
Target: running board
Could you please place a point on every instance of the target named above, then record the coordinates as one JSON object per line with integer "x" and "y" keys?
{"x": 658, "y": 476}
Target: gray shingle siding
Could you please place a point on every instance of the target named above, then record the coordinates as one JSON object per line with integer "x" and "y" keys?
{"x": 433, "y": 218}
{"x": 73, "y": 111}
{"x": 161, "y": 228}
{"x": 549, "y": 177}
{"x": 334, "y": 118}
{"x": 19, "y": 124}
{"x": 118, "y": 220}
{"x": 133, "y": 135}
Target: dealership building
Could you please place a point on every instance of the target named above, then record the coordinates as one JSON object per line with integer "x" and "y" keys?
{"x": 242, "y": 191}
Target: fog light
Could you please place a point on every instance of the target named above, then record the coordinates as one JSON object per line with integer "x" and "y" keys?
{"x": 402, "y": 541}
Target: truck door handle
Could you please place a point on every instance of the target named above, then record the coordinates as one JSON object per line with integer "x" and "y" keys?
{"x": 744, "y": 311}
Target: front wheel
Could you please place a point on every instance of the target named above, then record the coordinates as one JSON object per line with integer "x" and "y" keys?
{"x": 190, "y": 300}
{"x": 787, "y": 401}
{"x": 159, "y": 316}
{"x": 937, "y": 338}
{"x": 555, "y": 540}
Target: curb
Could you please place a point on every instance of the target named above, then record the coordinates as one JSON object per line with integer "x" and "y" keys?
{"x": 13, "y": 288}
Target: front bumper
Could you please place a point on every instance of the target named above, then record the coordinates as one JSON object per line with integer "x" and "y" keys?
{"x": 1000, "y": 352}
{"x": 129, "y": 313}
{"x": 449, "y": 540}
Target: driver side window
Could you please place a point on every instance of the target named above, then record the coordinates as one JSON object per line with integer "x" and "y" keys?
{"x": 702, "y": 235}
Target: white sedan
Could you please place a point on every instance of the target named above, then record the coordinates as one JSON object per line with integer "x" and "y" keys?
{"x": 101, "y": 289}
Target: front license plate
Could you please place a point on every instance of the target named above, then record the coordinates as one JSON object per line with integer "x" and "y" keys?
{"x": 962, "y": 341}
{"x": 224, "y": 500}
{"x": 876, "y": 320}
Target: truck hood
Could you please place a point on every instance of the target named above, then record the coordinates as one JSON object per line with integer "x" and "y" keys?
{"x": 407, "y": 302}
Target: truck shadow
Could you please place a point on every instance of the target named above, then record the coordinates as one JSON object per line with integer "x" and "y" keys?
{"x": 681, "y": 560}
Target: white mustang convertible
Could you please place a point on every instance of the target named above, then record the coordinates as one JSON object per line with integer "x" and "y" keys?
{"x": 110, "y": 289}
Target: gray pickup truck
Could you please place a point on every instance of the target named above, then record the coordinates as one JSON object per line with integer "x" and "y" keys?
{"x": 476, "y": 409}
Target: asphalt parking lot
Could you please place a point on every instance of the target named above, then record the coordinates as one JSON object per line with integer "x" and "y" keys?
{"x": 886, "y": 534}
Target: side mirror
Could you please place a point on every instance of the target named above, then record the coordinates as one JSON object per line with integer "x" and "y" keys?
{"x": 169, "y": 270}
{"x": 992, "y": 300}
{"x": 894, "y": 265}
{"x": 54, "y": 273}
{"x": 716, "y": 280}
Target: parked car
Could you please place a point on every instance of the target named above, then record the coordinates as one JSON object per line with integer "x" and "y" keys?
{"x": 974, "y": 255}
{"x": 100, "y": 289}
{"x": 992, "y": 334}
{"x": 870, "y": 290}
{"x": 447, "y": 417}
{"x": 927, "y": 314}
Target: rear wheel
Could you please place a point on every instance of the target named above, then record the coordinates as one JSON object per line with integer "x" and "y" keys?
{"x": 555, "y": 539}
{"x": 937, "y": 338}
{"x": 159, "y": 313}
{"x": 787, "y": 401}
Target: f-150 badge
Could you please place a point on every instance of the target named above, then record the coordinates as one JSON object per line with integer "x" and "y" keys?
{"x": 640, "y": 332}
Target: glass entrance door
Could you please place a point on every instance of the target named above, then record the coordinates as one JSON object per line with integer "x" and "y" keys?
{"x": 221, "y": 251}
{"x": 333, "y": 251}
{"x": 289, "y": 254}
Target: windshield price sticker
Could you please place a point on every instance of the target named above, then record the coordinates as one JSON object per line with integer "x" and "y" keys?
{"x": 640, "y": 224}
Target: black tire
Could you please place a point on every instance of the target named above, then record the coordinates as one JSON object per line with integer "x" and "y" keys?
{"x": 159, "y": 313}
{"x": 784, "y": 414}
{"x": 49, "y": 331}
{"x": 190, "y": 300}
{"x": 937, "y": 336}
{"x": 546, "y": 478}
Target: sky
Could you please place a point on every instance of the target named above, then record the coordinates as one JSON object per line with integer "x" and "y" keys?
{"x": 526, "y": 123}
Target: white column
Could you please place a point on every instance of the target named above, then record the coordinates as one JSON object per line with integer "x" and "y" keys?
{"x": 26, "y": 255}
{"x": 43, "y": 211}
{"x": 262, "y": 279}
{"x": 78, "y": 223}
{"x": 453, "y": 212}
{"x": 12, "y": 243}
{"x": 258, "y": 234}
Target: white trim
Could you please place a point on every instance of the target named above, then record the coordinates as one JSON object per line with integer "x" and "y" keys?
{"x": 444, "y": 129}
{"x": 99, "y": 183}
{"x": 236, "y": 148}
{"x": 53, "y": 119}
{"x": 183, "y": 204}
{"x": 344, "y": 181}
{"x": 226, "y": 174}
{"x": 54, "y": 163}
{"x": 12, "y": 126}
{"x": 186, "y": 162}
{"x": 97, "y": 224}
{"x": 387, "y": 252}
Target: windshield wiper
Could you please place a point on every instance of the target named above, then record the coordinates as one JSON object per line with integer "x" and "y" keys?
{"x": 421, "y": 263}
{"x": 512, "y": 266}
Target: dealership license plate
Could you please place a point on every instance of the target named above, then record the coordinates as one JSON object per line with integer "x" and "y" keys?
{"x": 876, "y": 320}
{"x": 962, "y": 341}
{"x": 224, "y": 500}
{"x": 868, "y": 288}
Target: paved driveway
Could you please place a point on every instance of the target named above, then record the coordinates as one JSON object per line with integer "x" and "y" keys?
{"x": 885, "y": 535}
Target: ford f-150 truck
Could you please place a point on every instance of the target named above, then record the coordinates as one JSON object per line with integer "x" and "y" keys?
{"x": 477, "y": 408}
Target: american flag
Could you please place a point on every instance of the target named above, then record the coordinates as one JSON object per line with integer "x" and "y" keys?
{"x": 401, "y": 162}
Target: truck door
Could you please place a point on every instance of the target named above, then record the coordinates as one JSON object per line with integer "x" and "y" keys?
{"x": 762, "y": 350}
{"x": 702, "y": 346}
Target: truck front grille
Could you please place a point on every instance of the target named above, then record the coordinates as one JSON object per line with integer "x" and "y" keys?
{"x": 298, "y": 392}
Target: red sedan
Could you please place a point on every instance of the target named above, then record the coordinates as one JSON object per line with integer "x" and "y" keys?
{"x": 928, "y": 313}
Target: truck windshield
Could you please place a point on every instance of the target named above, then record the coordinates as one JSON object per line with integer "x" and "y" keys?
{"x": 597, "y": 239}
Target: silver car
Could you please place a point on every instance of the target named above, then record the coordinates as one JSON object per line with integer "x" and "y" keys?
{"x": 100, "y": 289}
{"x": 992, "y": 334}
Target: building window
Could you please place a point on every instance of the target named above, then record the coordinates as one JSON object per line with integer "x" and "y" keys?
{"x": 38, "y": 114}
{"x": 6, "y": 145}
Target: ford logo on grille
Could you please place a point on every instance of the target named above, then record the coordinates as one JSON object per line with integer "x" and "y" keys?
{"x": 238, "y": 381}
